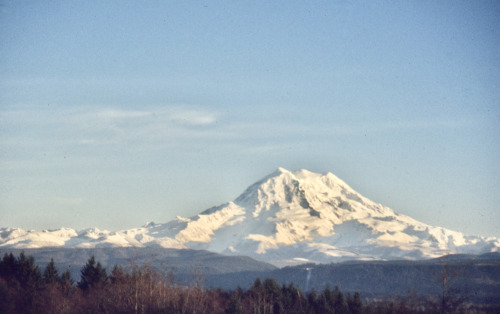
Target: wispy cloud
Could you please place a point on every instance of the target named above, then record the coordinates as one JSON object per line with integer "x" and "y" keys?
{"x": 105, "y": 125}
{"x": 193, "y": 117}
{"x": 35, "y": 128}
{"x": 113, "y": 114}
{"x": 31, "y": 131}
{"x": 174, "y": 115}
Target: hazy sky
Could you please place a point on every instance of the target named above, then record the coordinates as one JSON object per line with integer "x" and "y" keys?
{"x": 115, "y": 113}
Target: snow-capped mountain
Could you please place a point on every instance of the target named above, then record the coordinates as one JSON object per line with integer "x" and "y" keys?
{"x": 285, "y": 218}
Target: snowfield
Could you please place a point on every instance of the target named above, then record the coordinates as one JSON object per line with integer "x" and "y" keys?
{"x": 286, "y": 218}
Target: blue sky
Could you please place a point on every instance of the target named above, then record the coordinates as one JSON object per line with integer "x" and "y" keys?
{"x": 115, "y": 113}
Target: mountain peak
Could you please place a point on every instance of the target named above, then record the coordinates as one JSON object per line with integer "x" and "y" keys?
{"x": 281, "y": 170}
{"x": 285, "y": 218}
{"x": 282, "y": 186}
{"x": 306, "y": 175}
{"x": 301, "y": 173}
{"x": 268, "y": 190}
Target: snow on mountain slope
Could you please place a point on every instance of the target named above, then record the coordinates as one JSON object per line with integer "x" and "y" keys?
{"x": 285, "y": 218}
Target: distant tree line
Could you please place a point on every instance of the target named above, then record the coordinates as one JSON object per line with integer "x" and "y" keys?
{"x": 24, "y": 288}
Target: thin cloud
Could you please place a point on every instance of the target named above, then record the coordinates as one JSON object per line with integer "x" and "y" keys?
{"x": 154, "y": 125}
{"x": 192, "y": 117}
{"x": 60, "y": 128}
{"x": 113, "y": 114}
{"x": 178, "y": 116}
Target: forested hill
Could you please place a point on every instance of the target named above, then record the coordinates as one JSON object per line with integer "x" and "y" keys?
{"x": 475, "y": 278}
{"x": 182, "y": 263}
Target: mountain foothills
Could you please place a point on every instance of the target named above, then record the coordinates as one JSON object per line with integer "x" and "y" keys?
{"x": 286, "y": 218}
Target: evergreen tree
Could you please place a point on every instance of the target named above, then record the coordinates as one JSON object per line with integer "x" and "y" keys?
{"x": 272, "y": 289}
{"x": 118, "y": 275}
{"x": 92, "y": 275}
{"x": 312, "y": 301}
{"x": 355, "y": 304}
{"x": 291, "y": 297}
{"x": 257, "y": 286}
{"x": 66, "y": 283}
{"x": 50, "y": 275}
{"x": 235, "y": 306}
{"x": 8, "y": 266}
{"x": 28, "y": 274}
{"x": 273, "y": 295}
{"x": 257, "y": 296}
{"x": 326, "y": 300}
{"x": 339, "y": 302}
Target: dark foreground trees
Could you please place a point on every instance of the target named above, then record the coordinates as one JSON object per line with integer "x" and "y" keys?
{"x": 24, "y": 288}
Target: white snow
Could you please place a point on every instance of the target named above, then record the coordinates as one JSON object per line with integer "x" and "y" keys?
{"x": 286, "y": 218}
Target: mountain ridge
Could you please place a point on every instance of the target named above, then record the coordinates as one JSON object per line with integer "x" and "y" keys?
{"x": 286, "y": 218}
